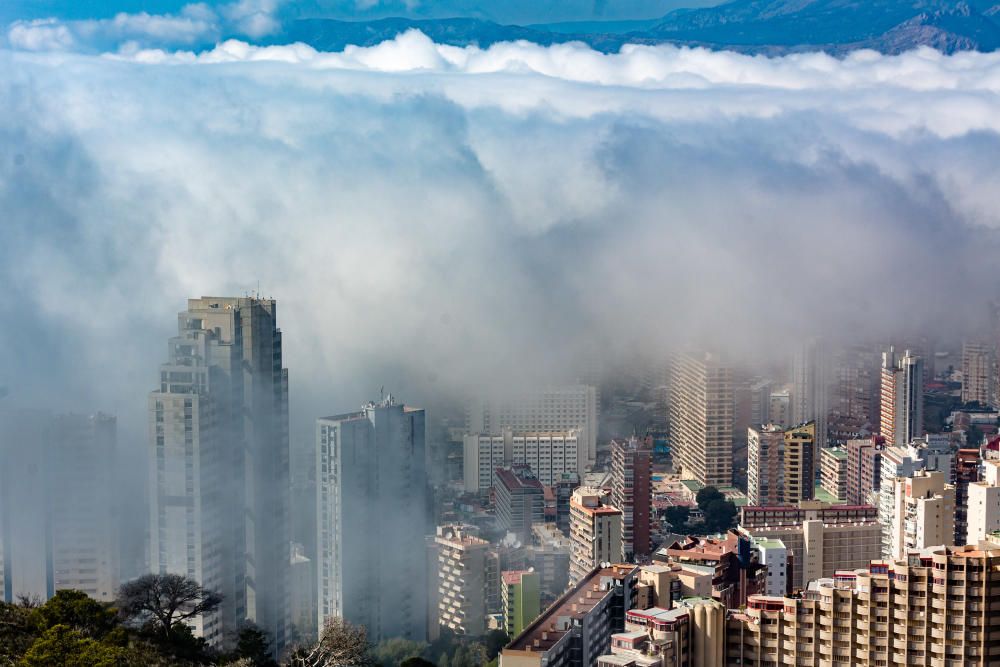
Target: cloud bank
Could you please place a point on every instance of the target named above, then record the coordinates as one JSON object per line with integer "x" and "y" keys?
{"x": 431, "y": 218}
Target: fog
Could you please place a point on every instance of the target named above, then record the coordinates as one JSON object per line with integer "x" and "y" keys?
{"x": 435, "y": 220}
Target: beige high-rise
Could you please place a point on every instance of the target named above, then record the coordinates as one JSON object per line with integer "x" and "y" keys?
{"x": 595, "y": 530}
{"x": 934, "y": 609}
{"x": 781, "y": 464}
{"x": 923, "y": 513}
{"x": 977, "y": 373}
{"x": 701, "y": 418}
{"x": 461, "y": 581}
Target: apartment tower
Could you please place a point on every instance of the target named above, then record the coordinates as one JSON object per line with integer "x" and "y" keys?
{"x": 595, "y": 530}
{"x": 372, "y": 511}
{"x": 701, "y": 418}
{"x": 219, "y": 463}
{"x": 631, "y": 471}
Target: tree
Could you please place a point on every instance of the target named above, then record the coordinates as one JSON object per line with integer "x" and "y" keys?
{"x": 393, "y": 652}
{"x": 62, "y": 646}
{"x": 253, "y": 648}
{"x": 678, "y": 516}
{"x": 706, "y": 496}
{"x": 76, "y": 610}
{"x": 17, "y": 631}
{"x": 416, "y": 661}
{"x": 720, "y": 515}
{"x": 165, "y": 601}
{"x": 495, "y": 641}
{"x": 341, "y": 644}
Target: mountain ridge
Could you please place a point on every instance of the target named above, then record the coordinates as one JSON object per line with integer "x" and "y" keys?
{"x": 770, "y": 27}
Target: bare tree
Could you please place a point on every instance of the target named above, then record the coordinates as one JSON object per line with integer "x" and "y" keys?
{"x": 166, "y": 600}
{"x": 341, "y": 644}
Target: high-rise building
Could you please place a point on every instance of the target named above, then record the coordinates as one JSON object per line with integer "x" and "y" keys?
{"x": 780, "y": 408}
{"x": 564, "y": 487}
{"x": 811, "y": 387}
{"x": 631, "y": 492}
{"x": 864, "y": 469}
{"x": 855, "y": 389}
{"x": 461, "y": 580}
{"x": 550, "y": 455}
{"x": 967, "y": 464}
{"x": 520, "y": 500}
{"x": 978, "y": 373}
{"x": 372, "y": 510}
{"x": 701, "y": 418}
{"x": 521, "y": 596}
{"x": 58, "y": 520}
{"x": 923, "y": 512}
{"x": 902, "y": 404}
{"x": 219, "y": 463}
{"x": 596, "y": 531}
{"x": 821, "y": 538}
{"x": 773, "y": 555}
{"x": 541, "y": 410}
{"x": 781, "y": 467}
{"x": 833, "y": 472}
{"x": 932, "y": 608}
{"x": 983, "y": 515}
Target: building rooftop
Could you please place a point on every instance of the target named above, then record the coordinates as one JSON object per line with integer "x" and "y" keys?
{"x": 546, "y": 630}
{"x": 512, "y": 480}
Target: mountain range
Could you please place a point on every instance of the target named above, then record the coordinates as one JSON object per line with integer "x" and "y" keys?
{"x": 771, "y": 27}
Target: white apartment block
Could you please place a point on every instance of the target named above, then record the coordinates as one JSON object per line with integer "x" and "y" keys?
{"x": 923, "y": 513}
{"x": 984, "y": 504}
{"x": 541, "y": 410}
{"x": 548, "y": 454}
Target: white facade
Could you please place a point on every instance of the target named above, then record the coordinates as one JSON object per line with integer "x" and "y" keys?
{"x": 923, "y": 513}
{"x": 541, "y": 410}
{"x": 219, "y": 485}
{"x": 774, "y": 556}
{"x": 984, "y": 504}
{"x": 902, "y": 397}
{"x": 549, "y": 455}
{"x": 371, "y": 495}
{"x": 595, "y": 530}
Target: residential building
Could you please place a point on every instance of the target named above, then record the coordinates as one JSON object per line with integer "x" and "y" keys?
{"x": 219, "y": 464}
{"x": 576, "y": 630}
{"x": 701, "y": 418}
{"x": 595, "y": 530}
{"x": 967, "y": 465}
{"x": 541, "y": 410}
{"x": 983, "y": 515}
{"x": 549, "y": 556}
{"x": 550, "y": 455}
{"x": 521, "y": 596}
{"x": 58, "y": 528}
{"x": 372, "y": 509}
{"x": 729, "y": 560}
{"x": 780, "y": 408}
{"x": 933, "y": 607}
{"x": 520, "y": 500}
{"x": 461, "y": 580}
{"x": 811, "y": 387}
{"x": 632, "y": 493}
{"x": 781, "y": 466}
{"x": 864, "y": 469}
{"x": 978, "y": 373}
{"x": 564, "y": 487}
{"x": 855, "y": 393}
{"x": 833, "y": 472}
{"x": 902, "y": 397}
{"x": 923, "y": 512}
{"x": 821, "y": 538}
{"x": 773, "y": 555}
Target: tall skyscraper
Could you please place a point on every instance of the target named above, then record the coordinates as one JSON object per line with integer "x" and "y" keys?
{"x": 632, "y": 493}
{"x": 219, "y": 463}
{"x": 781, "y": 466}
{"x": 902, "y": 406}
{"x": 811, "y": 387}
{"x": 373, "y": 519}
{"x": 58, "y": 519}
{"x": 701, "y": 418}
{"x": 541, "y": 410}
{"x": 978, "y": 373}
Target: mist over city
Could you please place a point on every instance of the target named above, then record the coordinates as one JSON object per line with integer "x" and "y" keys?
{"x": 311, "y": 306}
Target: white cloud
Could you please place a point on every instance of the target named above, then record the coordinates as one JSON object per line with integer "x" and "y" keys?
{"x": 39, "y": 35}
{"x": 428, "y": 215}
